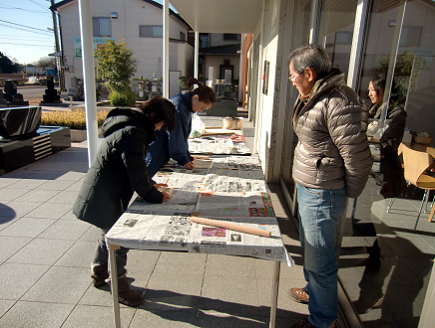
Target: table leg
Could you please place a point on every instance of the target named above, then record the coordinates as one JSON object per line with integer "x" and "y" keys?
{"x": 114, "y": 284}
{"x": 432, "y": 212}
{"x": 274, "y": 300}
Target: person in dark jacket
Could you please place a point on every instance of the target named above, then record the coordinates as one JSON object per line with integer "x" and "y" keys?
{"x": 174, "y": 144}
{"x": 332, "y": 161}
{"x": 117, "y": 171}
{"x": 393, "y": 181}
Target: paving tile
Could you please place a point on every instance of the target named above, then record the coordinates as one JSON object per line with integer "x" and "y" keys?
{"x": 92, "y": 234}
{"x": 99, "y": 296}
{"x": 60, "y": 285}
{"x": 26, "y": 227}
{"x": 8, "y": 194}
{"x": 18, "y": 278}
{"x": 73, "y": 175}
{"x": 165, "y": 319}
{"x": 50, "y": 211}
{"x": 230, "y": 266}
{"x": 6, "y": 181}
{"x": 58, "y": 185}
{"x": 181, "y": 263}
{"x": 98, "y": 316}
{"x": 80, "y": 254}
{"x": 28, "y": 184}
{"x": 65, "y": 230}
{"x": 71, "y": 217}
{"x": 44, "y": 174}
{"x": 6, "y": 221}
{"x": 17, "y": 209}
{"x": 168, "y": 291}
{"x": 37, "y": 196}
{"x": 236, "y": 295}
{"x": 36, "y": 314}
{"x": 5, "y": 305}
{"x": 212, "y": 319}
{"x": 41, "y": 251}
{"x": 64, "y": 197}
{"x": 75, "y": 186}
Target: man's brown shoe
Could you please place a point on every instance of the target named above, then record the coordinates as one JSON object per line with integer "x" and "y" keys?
{"x": 306, "y": 324}
{"x": 299, "y": 295}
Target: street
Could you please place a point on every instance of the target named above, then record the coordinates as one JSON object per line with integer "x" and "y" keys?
{"x": 32, "y": 92}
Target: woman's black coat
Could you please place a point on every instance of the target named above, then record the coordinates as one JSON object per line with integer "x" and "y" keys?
{"x": 118, "y": 169}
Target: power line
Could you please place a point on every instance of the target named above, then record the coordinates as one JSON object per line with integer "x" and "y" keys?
{"x": 23, "y": 9}
{"x": 17, "y": 28}
{"x": 27, "y": 45}
{"x": 20, "y": 38}
{"x": 38, "y": 4}
{"x": 25, "y": 26}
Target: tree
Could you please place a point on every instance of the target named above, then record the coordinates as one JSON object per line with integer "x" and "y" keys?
{"x": 7, "y": 66}
{"x": 116, "y": 65}
{"x": 45, "y": 62}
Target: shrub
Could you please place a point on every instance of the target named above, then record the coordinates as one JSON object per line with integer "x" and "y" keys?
{"x": 122, "y": 99}
{"x": 74, "y": 120}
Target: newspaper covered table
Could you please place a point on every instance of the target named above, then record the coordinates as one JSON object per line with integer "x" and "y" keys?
{"x": 219, "y": 144}
{"x": 230, "y": 189}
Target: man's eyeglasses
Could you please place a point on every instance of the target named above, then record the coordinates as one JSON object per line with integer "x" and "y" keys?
{"x": 292, "y": 78}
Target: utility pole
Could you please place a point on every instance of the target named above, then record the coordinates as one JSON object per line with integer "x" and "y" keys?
{"x": 59, "y": 59}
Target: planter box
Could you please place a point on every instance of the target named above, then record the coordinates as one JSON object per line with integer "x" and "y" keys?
{"x": 80, "y": 135}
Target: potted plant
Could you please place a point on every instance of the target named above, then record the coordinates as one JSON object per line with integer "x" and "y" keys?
{"x": 74, "y": 120}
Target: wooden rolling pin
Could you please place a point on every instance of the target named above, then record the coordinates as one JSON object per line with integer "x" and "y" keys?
{"x": 231, "y": 226}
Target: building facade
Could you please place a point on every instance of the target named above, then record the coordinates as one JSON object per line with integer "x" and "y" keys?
{"x": 140, "y": 24}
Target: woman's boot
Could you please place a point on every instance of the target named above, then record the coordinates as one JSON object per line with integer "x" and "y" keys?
{"x": 99, "y": 274}
{"x": 126, "y": 295}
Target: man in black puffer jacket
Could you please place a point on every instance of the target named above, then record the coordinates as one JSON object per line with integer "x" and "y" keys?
{"x": 116, "y": 172}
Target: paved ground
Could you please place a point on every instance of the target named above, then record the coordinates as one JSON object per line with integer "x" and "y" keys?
{"x": 46, "y": 253}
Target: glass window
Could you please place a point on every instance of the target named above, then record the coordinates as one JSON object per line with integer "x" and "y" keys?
{"x": 231, "y": 37}
{"x": 151, "y": 31}
{"x": 101, "y": 26}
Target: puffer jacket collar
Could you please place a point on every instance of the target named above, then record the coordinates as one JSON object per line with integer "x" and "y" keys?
{"x": 334, "y": 79}
{"x": 121, "y": 117}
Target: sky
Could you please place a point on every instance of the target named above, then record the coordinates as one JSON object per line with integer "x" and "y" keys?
{"x": 24, "y": 24}
{"x": 23, "y": 28}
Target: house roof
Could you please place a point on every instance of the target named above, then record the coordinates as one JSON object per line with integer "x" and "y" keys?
{"x": 230, "y": 49}
{"x": 177, "y": 16}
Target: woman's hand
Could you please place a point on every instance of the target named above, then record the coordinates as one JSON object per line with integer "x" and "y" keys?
{"x": 189, "y": 166}
{"x": 166, "y": 196}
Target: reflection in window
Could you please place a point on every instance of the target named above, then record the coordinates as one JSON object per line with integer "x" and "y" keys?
{"x": 101, "y": 26}
{"x": 151, "y": 31}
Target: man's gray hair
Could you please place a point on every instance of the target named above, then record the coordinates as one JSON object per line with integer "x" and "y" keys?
{"x": 313, "y": 56}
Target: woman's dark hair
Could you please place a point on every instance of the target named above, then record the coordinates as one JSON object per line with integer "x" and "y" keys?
{"x": 313, "y": 56}
{"x": 205, "y": 93}
{"x": 160, "y": 109}
{"x": 378, "y": 80}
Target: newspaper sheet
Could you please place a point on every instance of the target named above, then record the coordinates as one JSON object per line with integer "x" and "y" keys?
{"x": 220, "y": 144}
{"x": 177, "y": 233}
{"x": 230, "y": 188}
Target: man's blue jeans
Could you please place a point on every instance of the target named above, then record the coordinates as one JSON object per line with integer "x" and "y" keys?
{"x": 319, "y": 212}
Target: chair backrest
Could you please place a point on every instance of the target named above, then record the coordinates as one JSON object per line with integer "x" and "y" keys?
{"x": 415, "y": 163}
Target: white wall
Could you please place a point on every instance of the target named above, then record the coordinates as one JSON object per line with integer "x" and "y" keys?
{"x": 267, "y": 106}
{"x": 131, "y": 14}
